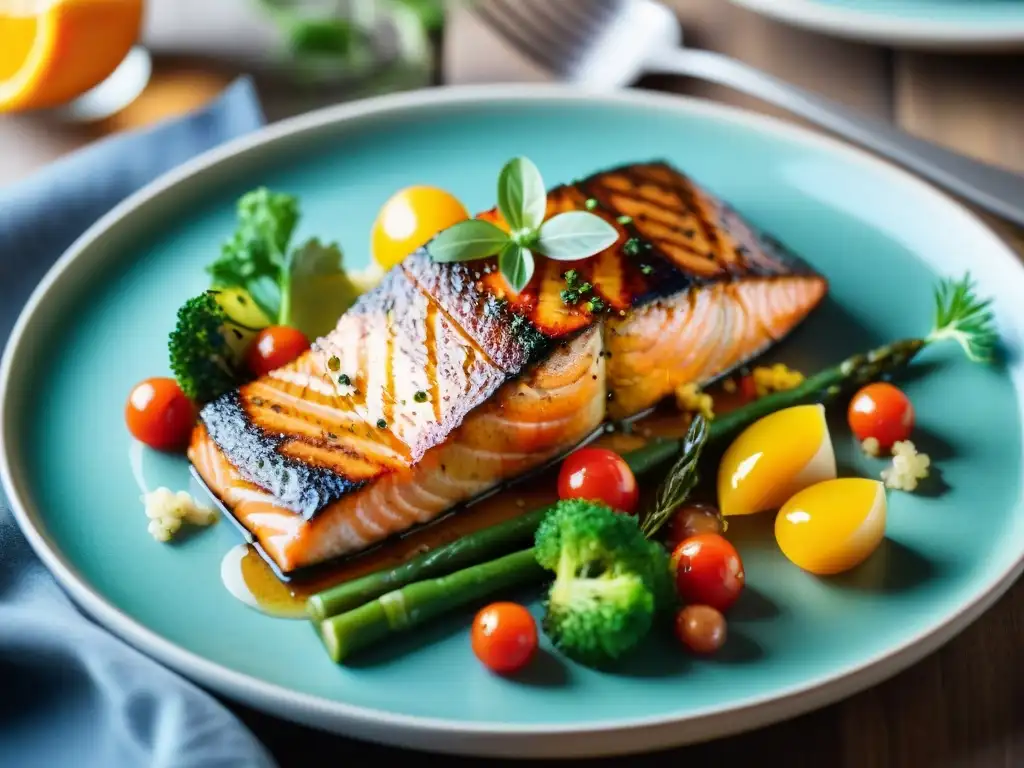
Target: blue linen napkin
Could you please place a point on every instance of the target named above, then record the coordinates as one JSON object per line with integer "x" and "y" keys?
{"x": 71, "y": 694}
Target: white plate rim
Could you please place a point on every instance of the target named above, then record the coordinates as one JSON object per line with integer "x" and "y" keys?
{"x": 865, "y": 26}
{"x": 602, "y": 738}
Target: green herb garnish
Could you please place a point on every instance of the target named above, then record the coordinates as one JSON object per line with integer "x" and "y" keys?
{"x": 962, "y": 317}
{"x": 382, "y": 424}
{"x": 522, "y": 201}
{"x": 333, "y": 363}
{"x": 574, "y": 289}
{"x": 420, "y": 397}
{"x": 305, "y": 287}
{"x": 344, "y": 380}
{"x": 680, "y": 481}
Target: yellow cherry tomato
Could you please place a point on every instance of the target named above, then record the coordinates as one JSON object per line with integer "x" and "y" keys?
{"x": 832, "y": 526}
{"x": 410, "y": 218}
{"x": 774, "y": 458}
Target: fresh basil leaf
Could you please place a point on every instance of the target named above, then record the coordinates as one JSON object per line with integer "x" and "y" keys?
{"x": 575, "y": 235}
{"x": 467, "y": 241}
{"x": 516, "y": 265}
{"x": 522, "y": 199}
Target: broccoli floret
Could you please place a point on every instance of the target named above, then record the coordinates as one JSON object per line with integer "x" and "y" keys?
{"x": 609, "y": 581}
{"x": 205, "y": 350}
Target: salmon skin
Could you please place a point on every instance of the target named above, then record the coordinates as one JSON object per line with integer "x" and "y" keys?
{"x": 442, "y": 383}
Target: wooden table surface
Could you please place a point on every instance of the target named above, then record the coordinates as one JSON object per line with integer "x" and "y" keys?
{"x": 964, "y": 705}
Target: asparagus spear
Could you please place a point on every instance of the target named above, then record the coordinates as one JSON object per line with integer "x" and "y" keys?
{"x": 417, "y": 603}
{"x": 469, "y": 550}
{"x": 959, "y": 317}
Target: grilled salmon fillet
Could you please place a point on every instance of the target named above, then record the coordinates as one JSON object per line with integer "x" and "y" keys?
{"x": 442, "y": 383}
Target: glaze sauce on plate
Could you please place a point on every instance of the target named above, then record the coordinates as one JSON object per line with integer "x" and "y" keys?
{"x": 250, "y": 579}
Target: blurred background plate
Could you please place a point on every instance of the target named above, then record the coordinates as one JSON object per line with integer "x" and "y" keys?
{"x": 976, "y": 25}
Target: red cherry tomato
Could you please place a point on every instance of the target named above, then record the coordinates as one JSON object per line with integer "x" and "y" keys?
{"x": 159, "y": 415}
{"x": 274, "y": 347}
{"x": 708, "y": 571}
{"x": 597, "y": 474}
{"x": 883, "y": 412}
{"x": 504, "y": 637}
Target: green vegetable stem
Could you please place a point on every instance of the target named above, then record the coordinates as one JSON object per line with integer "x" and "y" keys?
{"x": 469, "y": 550}
{"x": 414, "y": 604}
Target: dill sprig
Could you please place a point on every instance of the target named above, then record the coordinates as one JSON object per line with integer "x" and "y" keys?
{"x": 961, "y": 316}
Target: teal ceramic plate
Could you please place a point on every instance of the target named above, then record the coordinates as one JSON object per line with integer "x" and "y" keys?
{"x": 939, "y": 24}
{"x": 99, "y": 321}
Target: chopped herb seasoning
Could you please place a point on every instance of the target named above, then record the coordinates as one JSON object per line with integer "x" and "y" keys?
{"x": 382, "y": 424}
{"x": 624, "y": 220}
{"x": 574, "y": 289}
{"x": 646, "y": 269}
{"x": 595, "y": 305}
{"x": 344, "y": 380}
{"x": 276, "y": 408}
{"x": 689, "y": 233}
{"x": 334, "y": 363}
{"x": 257, "y": 401}
{"x": 591, "y": 204}
{"x": 331, "y": 436}
{"x": 632, "y": 247}
{"x": 420, "y": 397}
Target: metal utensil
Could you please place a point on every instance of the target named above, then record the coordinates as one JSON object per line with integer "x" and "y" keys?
{"x": 605, "y": 44}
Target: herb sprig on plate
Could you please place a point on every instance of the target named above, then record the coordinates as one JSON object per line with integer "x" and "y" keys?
{"x": 522, "y": 201}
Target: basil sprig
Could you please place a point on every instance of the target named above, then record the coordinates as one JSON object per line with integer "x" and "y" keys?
{"x": 522, "y": 201}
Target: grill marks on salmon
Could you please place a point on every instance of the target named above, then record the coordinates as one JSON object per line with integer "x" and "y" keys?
{"x": 441, "y": 383}
{"x": 529, "y": 421}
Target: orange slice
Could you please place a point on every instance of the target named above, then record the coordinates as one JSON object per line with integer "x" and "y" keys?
{"x": 52, "y": 51}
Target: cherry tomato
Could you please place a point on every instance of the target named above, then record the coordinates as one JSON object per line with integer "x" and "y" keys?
{"x": 883, "y": 412}
{"x": 159, "y": 415}
{"x": 701, "y": 628}
{"x": 410, "y": 218}
{"x": 275, "y": 346}
{"x": 504, "y": 637}
{"x": 708, "y": 571}
{"x": 693, "y": 519}
{"x": 597, "y": 474}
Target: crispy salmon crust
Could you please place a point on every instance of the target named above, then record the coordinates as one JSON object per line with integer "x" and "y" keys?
{"x": 441, "y": 383}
